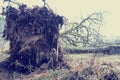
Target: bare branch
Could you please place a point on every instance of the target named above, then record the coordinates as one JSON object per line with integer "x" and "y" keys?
{"x": 81, "y": 32}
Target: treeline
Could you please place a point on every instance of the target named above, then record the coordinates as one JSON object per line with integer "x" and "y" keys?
{"x": 107, "y": 50}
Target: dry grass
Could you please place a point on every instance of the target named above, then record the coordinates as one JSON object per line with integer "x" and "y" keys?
{"x": 98, "y": 57}
{"x": 95, "y": 67}
{"x": 85, "y": 64}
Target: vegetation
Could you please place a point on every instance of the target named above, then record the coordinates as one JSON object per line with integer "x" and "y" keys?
{"x": 35, "y": 43}
{"x": 82, "y": 68}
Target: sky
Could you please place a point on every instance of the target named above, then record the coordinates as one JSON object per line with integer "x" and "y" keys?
{"x": 75, "y": 9}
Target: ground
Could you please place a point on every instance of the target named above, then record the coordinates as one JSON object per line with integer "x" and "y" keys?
{"x": 79, "y": 63}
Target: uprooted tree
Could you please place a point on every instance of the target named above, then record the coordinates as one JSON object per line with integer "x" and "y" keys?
{"x": 33, "y": 35}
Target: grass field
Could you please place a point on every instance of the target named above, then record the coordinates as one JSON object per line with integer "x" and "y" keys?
{"x": 99, "y": 57}
{"x": 79, "y": 63}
